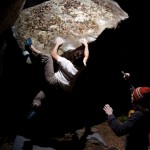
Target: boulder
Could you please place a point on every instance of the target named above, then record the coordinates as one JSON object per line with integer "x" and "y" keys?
{"x": 68, "y": 19}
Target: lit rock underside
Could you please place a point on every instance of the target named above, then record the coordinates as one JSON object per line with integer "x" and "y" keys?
{"x": 69, "y": 19}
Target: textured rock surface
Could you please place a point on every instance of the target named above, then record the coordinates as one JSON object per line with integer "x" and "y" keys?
{"x": 68, "y": 19}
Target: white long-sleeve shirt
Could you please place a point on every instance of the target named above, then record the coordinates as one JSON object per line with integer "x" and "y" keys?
{"x": 66, "y": 74}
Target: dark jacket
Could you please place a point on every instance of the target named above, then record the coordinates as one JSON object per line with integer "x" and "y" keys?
{"x": 136, "y": 129}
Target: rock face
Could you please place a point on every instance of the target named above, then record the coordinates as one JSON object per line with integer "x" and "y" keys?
{"x": 9, "y": 11}
{"x": 69, "y": 19}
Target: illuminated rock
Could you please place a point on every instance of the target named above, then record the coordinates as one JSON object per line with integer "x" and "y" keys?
{"x": 69, "y": 19}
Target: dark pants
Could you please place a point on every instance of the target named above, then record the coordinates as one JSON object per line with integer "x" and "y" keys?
{"x": 50, "y": 81}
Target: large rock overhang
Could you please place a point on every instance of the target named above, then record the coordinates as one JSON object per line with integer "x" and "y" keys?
{"x": 69, "y": 19}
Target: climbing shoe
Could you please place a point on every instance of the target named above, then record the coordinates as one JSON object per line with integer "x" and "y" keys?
{"x": 28, "y": 43}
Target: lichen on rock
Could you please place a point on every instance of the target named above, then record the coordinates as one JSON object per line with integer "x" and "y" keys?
{"x": 69, "y": 19}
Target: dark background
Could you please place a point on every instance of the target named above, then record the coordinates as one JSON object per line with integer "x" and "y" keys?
{"x": 124, "y": 48}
